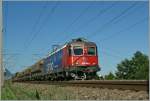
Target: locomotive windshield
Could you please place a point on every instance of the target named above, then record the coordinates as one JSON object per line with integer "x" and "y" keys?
{"x": 91, "y": 51}
{"x": 78, "y": 50}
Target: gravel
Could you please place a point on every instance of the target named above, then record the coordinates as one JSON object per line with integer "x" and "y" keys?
{"x": 84, "y": 93}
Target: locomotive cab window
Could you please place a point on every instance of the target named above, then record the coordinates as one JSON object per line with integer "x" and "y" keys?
{"x": 91, "y": 51}
{"x": 78, "y": 50}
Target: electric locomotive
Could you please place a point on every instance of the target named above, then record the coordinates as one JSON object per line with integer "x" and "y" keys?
{"x": 77, "y": 59}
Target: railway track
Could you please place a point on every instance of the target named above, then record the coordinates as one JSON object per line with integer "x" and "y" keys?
{"x": 110, "y": 84}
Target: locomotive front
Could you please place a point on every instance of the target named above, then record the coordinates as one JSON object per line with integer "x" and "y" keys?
{"x": 83, "y": 57}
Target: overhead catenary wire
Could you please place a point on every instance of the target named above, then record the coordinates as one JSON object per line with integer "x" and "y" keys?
{"x": 44, "y": 22}
{"x": 125, "y": 9}
{"x": 105, "y": 25}
{"x": 111, "y": 54}
{"x": 90, "y": 20}
{"x": 36, "y": 23}
{"x": 7, "y": 61}
{"x": 118, "y": 20}
{"x": 129, "y": 13}
{"x": 126, "y": 29}
{"x": 77, "y": 18}
{"x": 86, "y": 10}
{"x": 100, "y": 13}
{"x": 110, "y": 38}
{"x": 114, "y": 50}
{"x": 121, "y": 33}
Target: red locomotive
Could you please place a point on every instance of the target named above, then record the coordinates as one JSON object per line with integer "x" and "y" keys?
{"x": 78, "y": 59}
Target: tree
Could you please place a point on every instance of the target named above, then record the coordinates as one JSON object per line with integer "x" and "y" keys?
{"x": 110, "y": 76}
{"x": 136, "y": 68}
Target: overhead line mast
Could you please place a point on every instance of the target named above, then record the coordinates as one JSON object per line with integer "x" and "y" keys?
{"x": 1, "y": 57}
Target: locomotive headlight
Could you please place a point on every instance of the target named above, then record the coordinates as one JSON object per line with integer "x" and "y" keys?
{"x": 83, "y": 63}
{"x": 77, "y": 63}
{"x": 94, "y": 63}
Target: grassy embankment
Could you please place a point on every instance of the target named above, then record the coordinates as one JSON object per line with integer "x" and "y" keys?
{"x": 22, "y": 91}
{"x": 12, "y": 92}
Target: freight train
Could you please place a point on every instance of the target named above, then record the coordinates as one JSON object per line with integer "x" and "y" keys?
{"x": 77, "y": 59}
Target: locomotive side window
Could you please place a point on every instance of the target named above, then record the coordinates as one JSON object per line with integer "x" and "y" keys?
{"x": 91, "y": 51}
{"x": 78, "y": 50}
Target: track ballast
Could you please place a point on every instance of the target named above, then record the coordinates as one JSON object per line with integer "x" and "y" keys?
{"x": 111, "y": 84}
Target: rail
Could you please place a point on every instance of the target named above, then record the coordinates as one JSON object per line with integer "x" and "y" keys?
{"x": 111, "y": 84}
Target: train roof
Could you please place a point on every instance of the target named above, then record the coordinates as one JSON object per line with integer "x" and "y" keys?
{"x": 73, "y": 41}
{"x": 58, "y": 49}
{"x": 76, "y": 41}
{"x": 81, "y": 41}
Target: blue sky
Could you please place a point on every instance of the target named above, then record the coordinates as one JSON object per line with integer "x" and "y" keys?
{"x": 31, "y": 28}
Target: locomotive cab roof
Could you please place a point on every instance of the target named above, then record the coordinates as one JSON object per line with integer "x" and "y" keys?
{"x": 81, "y": 41}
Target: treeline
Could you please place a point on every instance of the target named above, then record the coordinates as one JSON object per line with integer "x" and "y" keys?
{"x": 136, "y": 68}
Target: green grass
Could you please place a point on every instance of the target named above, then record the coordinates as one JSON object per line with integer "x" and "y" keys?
{"x": 21, "y": 94}
{"x": 10, "y": 92}
{"x": 18, "y": 91}
{"x": 7, "y": 93}
{"x": 57, "y": 93}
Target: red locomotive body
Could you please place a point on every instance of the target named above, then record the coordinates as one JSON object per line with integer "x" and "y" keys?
{"x": 80, "y": 57}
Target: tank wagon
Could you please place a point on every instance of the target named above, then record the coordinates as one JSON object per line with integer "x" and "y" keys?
{"x": 77, "y": 59}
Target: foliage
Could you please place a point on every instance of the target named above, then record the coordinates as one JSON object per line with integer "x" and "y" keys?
{"x": 37, "y": 95}
{"x": 136, "y": 68}
{"x": 110, "y": 76}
